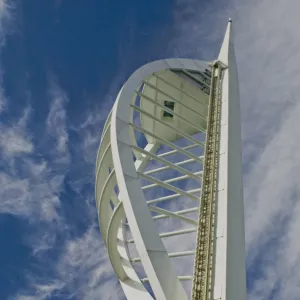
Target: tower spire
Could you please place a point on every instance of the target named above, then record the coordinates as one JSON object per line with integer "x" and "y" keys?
{"x": 224, "y": 51}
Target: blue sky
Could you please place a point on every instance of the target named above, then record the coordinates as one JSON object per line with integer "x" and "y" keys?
{"x": 61, "y": 66}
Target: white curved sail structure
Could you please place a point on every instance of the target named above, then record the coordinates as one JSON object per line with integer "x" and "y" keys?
{"x": 169, "y": 181}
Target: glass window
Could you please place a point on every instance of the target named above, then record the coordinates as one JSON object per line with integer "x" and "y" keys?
{"x": 169, "y": 105}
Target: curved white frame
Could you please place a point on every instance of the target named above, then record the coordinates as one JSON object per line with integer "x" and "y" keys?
{"x": 117, "y": 139}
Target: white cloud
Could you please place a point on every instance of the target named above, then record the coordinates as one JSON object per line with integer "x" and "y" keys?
{"x": 196, "y": 27}
{"x": 81, "y": 267}
{"x": 35, "y": 198}
{"x": 6, "y": 15}
{"x": 269, "y": 53}
{"x": 31, "y": 185}
{"x": 57, "y": 118}
{"x": 15, "y": 138}
{"x": 83, "y": 270}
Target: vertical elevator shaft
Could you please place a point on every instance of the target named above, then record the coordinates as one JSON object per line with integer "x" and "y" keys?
{"x": 205, "y": 244}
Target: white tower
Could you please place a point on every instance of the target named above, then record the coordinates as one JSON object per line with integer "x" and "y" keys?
{"x": 169, "y": 181}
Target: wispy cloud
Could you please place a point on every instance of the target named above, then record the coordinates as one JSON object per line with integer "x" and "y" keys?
{"x": 31, "y": 183}
{"x": 271, "y": 109}
{"x": 197, "y": 27}
{"x": 15, "y": 138}
{"x": 33, "y": 192}
{"x": 56, "y": 123}
{"x": 85, "y": 267}
{"x": 82, "y": 270}
{"x": 33, "y": 188}
{"x": 6, "y": 17}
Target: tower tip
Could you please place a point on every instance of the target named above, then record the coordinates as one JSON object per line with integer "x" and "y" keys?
{"x": 223, "y": 55}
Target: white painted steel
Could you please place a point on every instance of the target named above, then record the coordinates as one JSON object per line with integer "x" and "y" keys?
{"x": 230, "y": 271}
{"x": 179, "y": 212}
{"x": 121, "y": 164}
